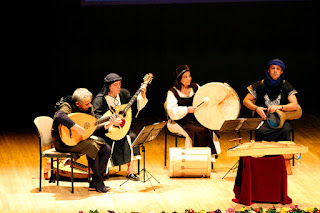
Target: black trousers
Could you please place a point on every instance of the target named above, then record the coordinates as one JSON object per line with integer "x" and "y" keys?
{"x": 98, "y": 165}
{"x": 267, "y": 133}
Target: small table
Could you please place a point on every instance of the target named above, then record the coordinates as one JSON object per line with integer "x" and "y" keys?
{"x": 261, "y": 180}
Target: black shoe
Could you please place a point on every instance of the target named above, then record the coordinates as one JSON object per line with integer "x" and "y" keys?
{"x": 133, "y": 176}
{"x": 99, "y": 184}
{"x": 92, "y": 187}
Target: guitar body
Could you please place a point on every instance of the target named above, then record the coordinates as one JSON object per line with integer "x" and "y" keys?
{"x": 117, "y": 133}
{"x": 84, "y": 120}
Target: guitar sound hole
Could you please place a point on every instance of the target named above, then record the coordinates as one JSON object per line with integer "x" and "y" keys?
{"x": 122, "y": 114}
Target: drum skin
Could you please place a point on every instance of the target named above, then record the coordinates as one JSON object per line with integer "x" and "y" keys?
{"x": 224, "y": 104}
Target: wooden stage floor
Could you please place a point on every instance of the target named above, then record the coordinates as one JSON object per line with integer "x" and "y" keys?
{"x": 19, "y": 179}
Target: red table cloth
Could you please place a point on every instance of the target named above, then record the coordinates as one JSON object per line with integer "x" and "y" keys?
{"x": 261, "y": 180}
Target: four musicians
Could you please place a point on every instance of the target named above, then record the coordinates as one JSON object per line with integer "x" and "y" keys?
{"x": 265, "y": 96}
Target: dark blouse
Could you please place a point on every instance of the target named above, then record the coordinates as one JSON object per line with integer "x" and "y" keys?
{"x": 265, "y": 97}
{"x": 100, "y": 105}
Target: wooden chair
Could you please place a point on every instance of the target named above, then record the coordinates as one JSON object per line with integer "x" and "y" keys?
{"x": 176, "y": 136}
{"x": 44, "y": 126}
{"x": 179, "y": 134}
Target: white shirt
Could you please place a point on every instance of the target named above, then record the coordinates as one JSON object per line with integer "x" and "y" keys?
{"x": 113, "y": 102}
{"x": 175, "y": 111}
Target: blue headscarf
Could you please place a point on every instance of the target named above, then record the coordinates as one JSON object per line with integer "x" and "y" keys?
{"x": 280, "y": 64}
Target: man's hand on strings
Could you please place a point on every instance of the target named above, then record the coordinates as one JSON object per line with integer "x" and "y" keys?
{"x": 78, "y": 129}
{"x": 114, "y": 121}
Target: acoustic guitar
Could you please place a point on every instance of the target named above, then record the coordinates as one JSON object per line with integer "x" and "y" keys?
{"x": 86, "y": 121}
{"x": 124, "y": 113}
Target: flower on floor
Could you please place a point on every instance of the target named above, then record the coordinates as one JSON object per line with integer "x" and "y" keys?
{"x": 293, "y": 209}
{"x": 230, "y": 210}
{"x": 243, "y": 209}
{"x": 257, "y": 210}
{"x": 272, "y": 210}
{"x": 310, "y": 209}
{"x": 285, "y": 210}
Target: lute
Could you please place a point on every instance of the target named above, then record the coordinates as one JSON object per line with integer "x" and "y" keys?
{"x": 86, "y": 121}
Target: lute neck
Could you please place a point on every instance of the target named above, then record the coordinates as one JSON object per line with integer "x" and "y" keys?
{"x": 102, "y": 120}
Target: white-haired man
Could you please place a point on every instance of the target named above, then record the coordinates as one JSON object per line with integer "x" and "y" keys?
{"x": 96, "y": 153}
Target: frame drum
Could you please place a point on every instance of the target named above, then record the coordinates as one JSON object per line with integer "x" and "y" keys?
{"x": 219, "y": 103}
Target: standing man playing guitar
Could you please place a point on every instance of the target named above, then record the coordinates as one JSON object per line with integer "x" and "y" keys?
{"x": 109, "y": 99}
{"x": 97, "y": 154}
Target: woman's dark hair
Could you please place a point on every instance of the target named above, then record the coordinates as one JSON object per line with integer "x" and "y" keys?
{"x": 178, "y": 75}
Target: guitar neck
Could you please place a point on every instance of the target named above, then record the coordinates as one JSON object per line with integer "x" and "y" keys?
{"x": 133, "y": 99}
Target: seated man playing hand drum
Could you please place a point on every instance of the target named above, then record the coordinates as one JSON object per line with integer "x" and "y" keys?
{"x": 271, "y": 94}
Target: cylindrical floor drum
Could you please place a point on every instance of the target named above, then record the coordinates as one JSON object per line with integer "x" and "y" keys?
{"x": 190, "y": 162}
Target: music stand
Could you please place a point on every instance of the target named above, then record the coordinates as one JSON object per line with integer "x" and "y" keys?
{"x": 238, "y": 125}
{"x": 147, "y": 134}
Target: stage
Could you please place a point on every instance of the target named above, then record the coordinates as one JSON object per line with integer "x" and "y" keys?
{"x": 19, "y": 178}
